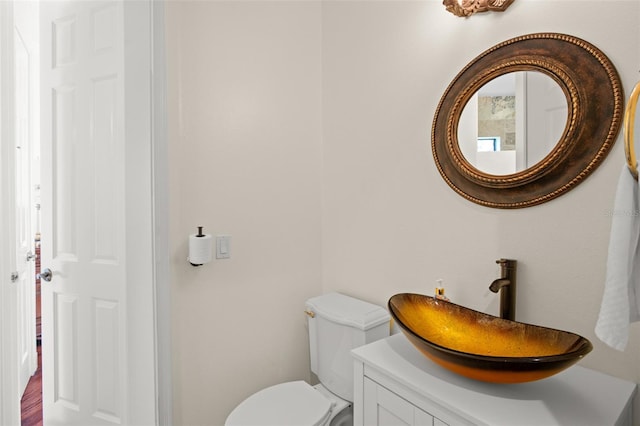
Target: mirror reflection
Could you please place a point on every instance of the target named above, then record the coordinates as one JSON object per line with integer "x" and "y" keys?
{"x": 512, "y": 122}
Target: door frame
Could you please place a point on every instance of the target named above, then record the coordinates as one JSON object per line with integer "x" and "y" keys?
{"x": 154, "y": 272}
{"x": 160, "y": 194}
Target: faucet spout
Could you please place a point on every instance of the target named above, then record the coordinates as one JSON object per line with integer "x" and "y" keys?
{"x": 506, "y": 285}
{"x": 498, "y": 284}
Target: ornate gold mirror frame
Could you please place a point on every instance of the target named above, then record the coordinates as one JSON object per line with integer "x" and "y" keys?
{"x": 595, "y": 101}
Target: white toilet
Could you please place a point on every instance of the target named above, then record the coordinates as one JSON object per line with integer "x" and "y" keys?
{"x": 337, "y": 324}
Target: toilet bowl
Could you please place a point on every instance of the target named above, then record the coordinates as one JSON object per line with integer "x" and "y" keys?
{"x": 292, "y": 404}
{"x": 337, "y": 324}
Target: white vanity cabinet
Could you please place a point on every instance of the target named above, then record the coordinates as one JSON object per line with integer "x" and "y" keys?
{"x": 396, "y": 385}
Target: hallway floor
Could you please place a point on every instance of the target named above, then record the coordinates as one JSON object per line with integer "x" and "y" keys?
{"x": 31, "y": 403}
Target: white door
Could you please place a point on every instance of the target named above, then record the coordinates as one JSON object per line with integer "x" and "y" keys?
{"x": 9, "y": 386}
{"x": 547, "y": 107}
{"x": 27, "y": 356}
{"x": 97, "y": 308}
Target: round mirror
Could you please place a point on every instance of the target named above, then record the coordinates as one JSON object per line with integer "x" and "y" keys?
{"x": 570, "y": 118}
{"x": 512, "y": 122}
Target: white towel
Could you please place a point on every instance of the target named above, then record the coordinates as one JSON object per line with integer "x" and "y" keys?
{"x": 621, "y": 299}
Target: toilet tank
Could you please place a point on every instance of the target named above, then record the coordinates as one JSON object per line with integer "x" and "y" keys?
{"x": 338, "y": 324}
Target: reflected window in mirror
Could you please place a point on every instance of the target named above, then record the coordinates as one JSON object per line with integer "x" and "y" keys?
{"x": 489, "y": 143}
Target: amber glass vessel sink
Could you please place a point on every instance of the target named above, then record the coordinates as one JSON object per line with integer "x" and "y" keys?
{"x": 481, "y": 346}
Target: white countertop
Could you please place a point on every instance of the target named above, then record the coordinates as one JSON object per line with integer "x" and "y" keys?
{"x": 576, "y": 396}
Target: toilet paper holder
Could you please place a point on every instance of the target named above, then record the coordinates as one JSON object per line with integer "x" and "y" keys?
{"x": 199, "y": 248}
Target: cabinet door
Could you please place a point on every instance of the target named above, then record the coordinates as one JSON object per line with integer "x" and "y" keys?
{"x": 384, "y": 408}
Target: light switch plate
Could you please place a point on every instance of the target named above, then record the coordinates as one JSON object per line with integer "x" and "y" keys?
{"x": 223, "y": 247}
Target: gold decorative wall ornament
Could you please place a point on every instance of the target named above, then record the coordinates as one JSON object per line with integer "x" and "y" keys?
{"x": 466, "y": 8}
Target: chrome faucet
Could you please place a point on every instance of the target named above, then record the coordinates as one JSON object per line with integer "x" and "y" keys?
{"x": 506, "y": 285}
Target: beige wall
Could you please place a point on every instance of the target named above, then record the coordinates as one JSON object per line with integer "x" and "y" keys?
{"x": 302, "y": 129}
{"x": 245, "y": 161}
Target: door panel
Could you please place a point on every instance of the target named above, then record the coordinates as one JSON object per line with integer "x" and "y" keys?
{"x": 65, "y": 348}
{"x": 63, "y": 233}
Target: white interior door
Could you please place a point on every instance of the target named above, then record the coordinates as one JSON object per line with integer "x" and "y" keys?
{"x": 97, "y": 309}
{"x": 9, "y": 387}
{"x": 27, "y": 356}
{"x": 547, "y": 107}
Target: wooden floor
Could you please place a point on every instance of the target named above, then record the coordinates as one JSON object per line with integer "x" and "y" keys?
{"x": 32, "y": 399}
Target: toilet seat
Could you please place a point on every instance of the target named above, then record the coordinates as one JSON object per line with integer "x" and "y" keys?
{"x": 285, "y": 404}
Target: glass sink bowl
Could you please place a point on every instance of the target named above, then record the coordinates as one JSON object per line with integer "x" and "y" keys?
{"x": 481, "y": 346}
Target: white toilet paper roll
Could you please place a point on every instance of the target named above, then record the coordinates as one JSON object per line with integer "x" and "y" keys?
{"x": 200, "y": 249}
